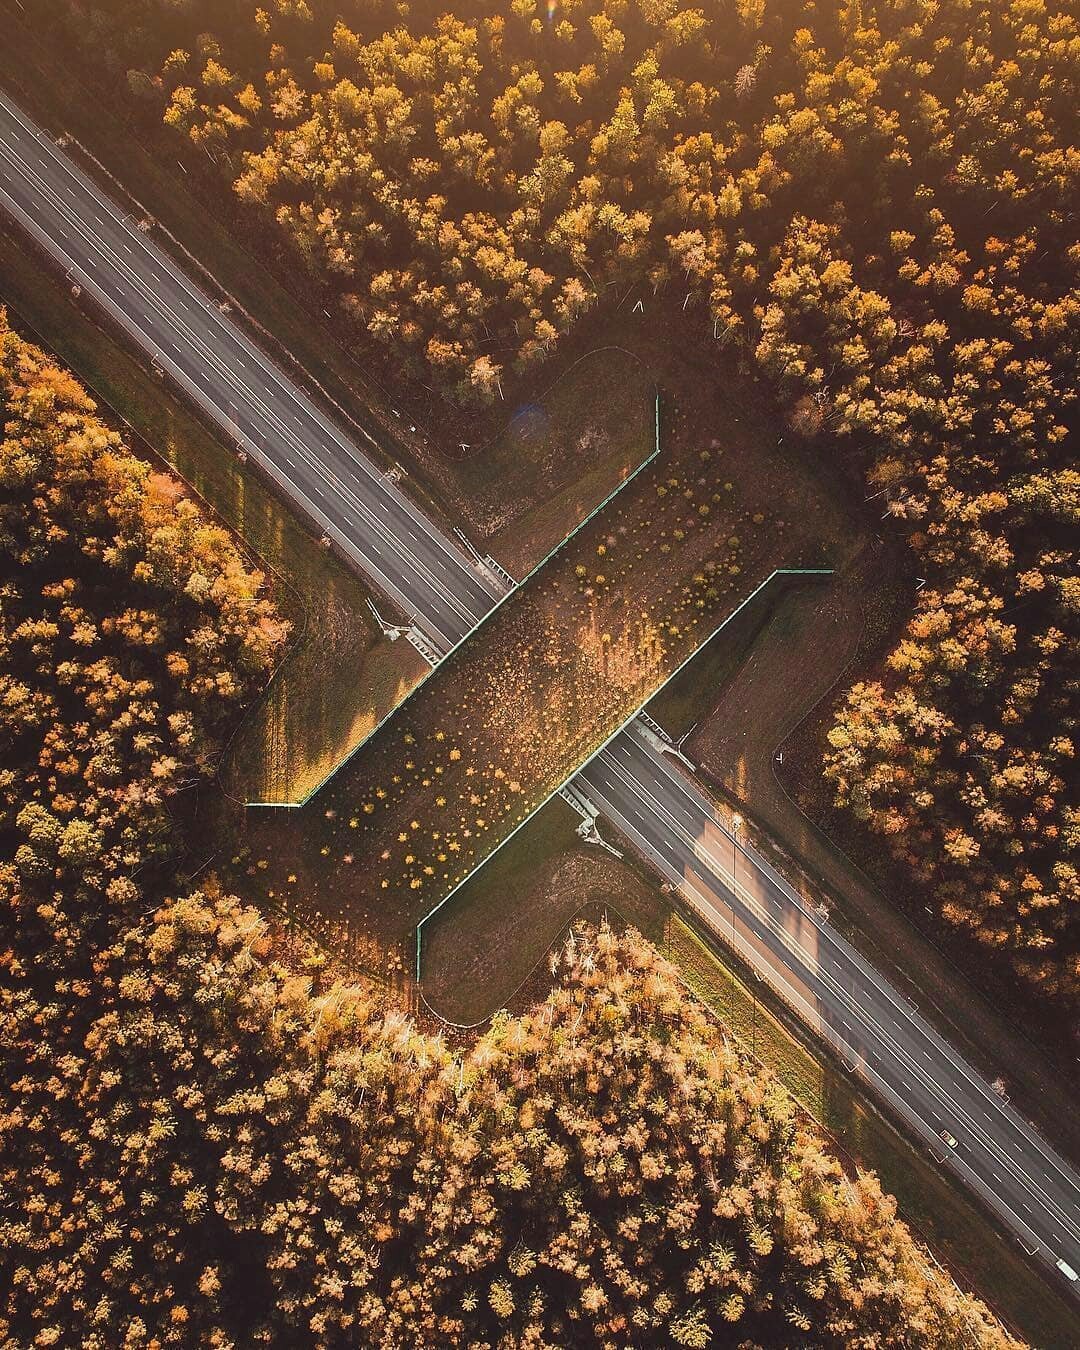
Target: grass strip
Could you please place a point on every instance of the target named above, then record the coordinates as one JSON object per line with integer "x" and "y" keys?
{"x": 341, "y": 676}
{"x": 954, "y": 1225}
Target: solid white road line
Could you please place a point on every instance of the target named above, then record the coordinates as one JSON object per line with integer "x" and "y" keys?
{"x": 906, "y": 1108}
{"x": 232, "y": 335}
{"x": 1003, "y": 1111}
{"x": 210, "y": 358}
{"x": 181, "y": 376}
{"x": 900, "y": 1053}
{"x": 235, "y": 335}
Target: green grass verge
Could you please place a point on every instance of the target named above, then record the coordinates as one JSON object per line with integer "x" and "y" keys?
{"x": 333, "y": 691}
{"x": 688, "y": 696}
{"x": 480, "y": 948}
{"x": 341, "y": 676}
{"x": 465, "y": 968}
{"x": 939, "y": 1210}
{"x": 691, "y": 694}
{"x": 511, "y": 871}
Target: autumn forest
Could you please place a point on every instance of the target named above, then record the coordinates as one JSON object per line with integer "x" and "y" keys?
{"x": 213, "y": 1131}
{"x": 873, "y": 201}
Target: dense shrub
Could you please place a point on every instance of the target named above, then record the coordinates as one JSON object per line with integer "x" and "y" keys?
{"x": 871, "y": 200}
{"x": 202, "y": 1148}
{"x": 200, "y": 1144}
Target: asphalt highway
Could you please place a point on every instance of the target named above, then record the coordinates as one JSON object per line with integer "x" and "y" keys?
{"x": 314, "y": 462}
{"x": 882, "y": 1038}
{"x": 324, "y": 473}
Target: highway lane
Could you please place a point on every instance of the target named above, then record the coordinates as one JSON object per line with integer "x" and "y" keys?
{"x": 327, "y": 476}
{"x": 883, "y": 1039}
{"x": 320, "y": 468}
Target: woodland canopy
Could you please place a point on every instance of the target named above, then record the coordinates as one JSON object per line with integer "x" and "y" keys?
{"x": 207, "y": 1139}
{"x": 873, "y": 204}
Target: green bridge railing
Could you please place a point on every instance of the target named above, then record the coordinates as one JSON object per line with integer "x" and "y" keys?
{"x": 777, "y": 572}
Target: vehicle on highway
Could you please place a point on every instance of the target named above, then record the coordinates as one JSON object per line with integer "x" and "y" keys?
{"x": 949, "y": 1139}
{"x": 1067, "y": 1270}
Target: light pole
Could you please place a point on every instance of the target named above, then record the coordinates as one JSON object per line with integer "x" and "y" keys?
{"x": 736, "y": 823}
{"x": 736, "y": 826}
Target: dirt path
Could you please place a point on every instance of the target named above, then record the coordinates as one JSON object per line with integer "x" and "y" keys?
{"x": 818, "y": 638}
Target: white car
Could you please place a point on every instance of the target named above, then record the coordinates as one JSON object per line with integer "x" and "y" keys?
{"x": 949, "y": 1139}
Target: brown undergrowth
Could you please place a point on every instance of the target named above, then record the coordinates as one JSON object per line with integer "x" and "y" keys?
{"x": 550, "y": 676}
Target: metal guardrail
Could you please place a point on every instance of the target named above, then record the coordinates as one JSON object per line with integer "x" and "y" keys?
{"x": 499, "y": 570}
{"x": 650, "y": 722}
{"x": 427, "y": 650}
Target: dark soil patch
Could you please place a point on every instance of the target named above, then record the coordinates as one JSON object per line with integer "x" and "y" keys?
{"x": 780, "y": 700}
{"x": 553, "y": 673}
